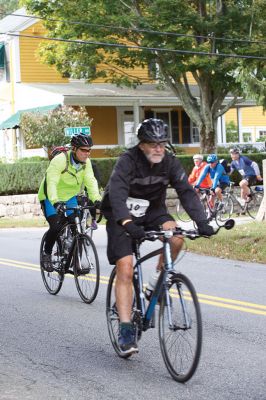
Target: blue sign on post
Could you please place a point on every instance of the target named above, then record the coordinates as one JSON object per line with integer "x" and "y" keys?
{"x": 85, "y": 130}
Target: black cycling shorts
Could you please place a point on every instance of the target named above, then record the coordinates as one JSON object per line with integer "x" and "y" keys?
{"x": 252, "y": 180}
{"x": 119, "y": 243}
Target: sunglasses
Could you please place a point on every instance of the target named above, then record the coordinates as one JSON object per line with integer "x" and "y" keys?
{"x": 84, "y": 150}
{"x": 154, "y": 145}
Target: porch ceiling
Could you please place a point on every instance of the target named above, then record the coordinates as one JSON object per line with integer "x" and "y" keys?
{"x": 83, "y": 94}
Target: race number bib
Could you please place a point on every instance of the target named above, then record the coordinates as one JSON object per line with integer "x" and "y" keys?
{"x": 137, "y": 207}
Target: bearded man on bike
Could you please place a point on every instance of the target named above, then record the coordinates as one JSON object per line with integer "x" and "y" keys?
{"x": 135, "y": 199}
{"x": 66, "y": 175}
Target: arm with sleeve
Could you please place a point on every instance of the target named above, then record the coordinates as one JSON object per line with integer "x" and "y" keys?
{"x": 91, "y": 183}
{"x": 218, "y": 173}
{"x": 119, "y": 187}
{"x": 192, "y": 177}
{"x": 203, "y": 175}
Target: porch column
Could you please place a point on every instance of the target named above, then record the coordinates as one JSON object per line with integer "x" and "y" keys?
{"x": 136, "y": 115}
{"x": 239, "y": 124}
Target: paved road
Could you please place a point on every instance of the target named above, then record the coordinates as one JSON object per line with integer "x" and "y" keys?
{"x": 56, "y": 347}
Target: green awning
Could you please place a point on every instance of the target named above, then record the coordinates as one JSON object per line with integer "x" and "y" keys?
{"x": 2, "y": 55}
{"x": 14, "y": 120}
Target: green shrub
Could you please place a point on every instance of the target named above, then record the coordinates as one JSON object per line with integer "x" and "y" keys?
{"x": 31, "y": 159}
{"x": 21, "y": 178}
{"x": 114, "y": 151}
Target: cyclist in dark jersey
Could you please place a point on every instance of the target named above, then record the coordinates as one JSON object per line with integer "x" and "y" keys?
{"x": 135, "y": 199}
{"x": 248, "y": 169}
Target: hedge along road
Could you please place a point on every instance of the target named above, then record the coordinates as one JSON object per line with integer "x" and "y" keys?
{"x": 58, "y": 347}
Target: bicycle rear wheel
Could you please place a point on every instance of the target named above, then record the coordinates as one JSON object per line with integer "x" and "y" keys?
{"x": 86, "y": 268}
{"x": 254, "y": 204}
{"x": 52, "y": 280}
{"x": 180, "y": 329}
{"x": 181, "y": 213}
{"x": 113, "y": 317}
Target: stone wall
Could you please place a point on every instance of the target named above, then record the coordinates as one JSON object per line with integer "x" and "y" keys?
{"x": 23, "y": 206}
{"x": 28, "y": 206}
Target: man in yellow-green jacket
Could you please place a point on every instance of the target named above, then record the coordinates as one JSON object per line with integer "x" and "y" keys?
{"x": 64, "y": 178}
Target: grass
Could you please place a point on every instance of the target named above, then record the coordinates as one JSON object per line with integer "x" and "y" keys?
{"x": 16, "y": 222}
{"x": 246, "y": 242}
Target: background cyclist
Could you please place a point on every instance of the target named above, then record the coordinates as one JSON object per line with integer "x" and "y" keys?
{"x": 143, "y": 173}
{"x": 61, "y": 185}
{"x": 220, "y": 180}
{"x": 197, "y": 170}
{"x": 248, "y": 169}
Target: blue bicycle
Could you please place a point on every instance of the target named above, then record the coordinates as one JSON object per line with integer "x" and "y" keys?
{"x": 180, "y": 323}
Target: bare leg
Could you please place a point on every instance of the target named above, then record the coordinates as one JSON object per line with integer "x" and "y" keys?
{"x": 244, "y": 189}
{"x": 123, "y": 288}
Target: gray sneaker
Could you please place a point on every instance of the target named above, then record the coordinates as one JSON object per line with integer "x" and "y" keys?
{"x": 47, "y": 262}
{"x": 127, "y": 341}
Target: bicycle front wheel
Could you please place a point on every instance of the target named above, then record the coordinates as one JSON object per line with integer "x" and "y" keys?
{"x": 86, "y": 268}
{"x": 52, "y": 280}
{"x": 254, "y": 204}
{"x": 180, "y": 329}
{"x": 225, "y": 212}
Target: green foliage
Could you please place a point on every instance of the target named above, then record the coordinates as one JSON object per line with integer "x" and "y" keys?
{"x": 215, "y": 76}
{"x": 21, "y": 178}
{"x": 8, "y": 6}
{"x": 32, "y": 159}
{"x": 252, "y": 79}
{"x": 46, "y": 130}
{"x": 231, "y": 132}
{"x": 114, "y": 151}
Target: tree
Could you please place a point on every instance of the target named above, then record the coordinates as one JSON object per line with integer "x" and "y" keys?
{"x": 213, "y": 26}
{"x": 46, "y": 130}
{"x": 8, "y": 6}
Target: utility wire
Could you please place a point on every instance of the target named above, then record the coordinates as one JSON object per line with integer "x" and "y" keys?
{"x": 123, "y": 29}
{"x": 151, "y": 49}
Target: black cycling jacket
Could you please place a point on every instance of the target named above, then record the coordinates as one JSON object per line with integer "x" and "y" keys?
{"x": 134, "y": 176}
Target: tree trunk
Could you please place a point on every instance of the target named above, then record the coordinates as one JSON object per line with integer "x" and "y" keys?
{"x": 207, "y": 140}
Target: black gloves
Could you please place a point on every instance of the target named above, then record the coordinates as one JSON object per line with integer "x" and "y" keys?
{"x": 59, "y": 206}
{"x": 135, "y": 231}
{"x": 205, "y": 229}
{"x": 97, "y": 204}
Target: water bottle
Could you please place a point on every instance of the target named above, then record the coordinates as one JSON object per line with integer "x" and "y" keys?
{"x": 67, "y": 244}
{"x": 151, "y": 284}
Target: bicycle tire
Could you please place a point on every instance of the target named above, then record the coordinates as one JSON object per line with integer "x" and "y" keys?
{"x": 52, "y": 280}
{"x": 180, "y": 345}
{"x": 181, "y": 213}
{"x": 225, "y": 213}
{"x": 112, "y": 314}
{"x": 86, "y": 268}
{"x": 254, "y": 204}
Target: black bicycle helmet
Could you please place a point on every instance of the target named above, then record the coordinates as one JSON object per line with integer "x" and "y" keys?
{"x": 81, "y": 140}
{"x": 152, "y": 130}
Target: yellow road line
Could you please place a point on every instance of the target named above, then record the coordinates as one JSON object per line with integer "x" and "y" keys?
{"x": 216, "y": 301}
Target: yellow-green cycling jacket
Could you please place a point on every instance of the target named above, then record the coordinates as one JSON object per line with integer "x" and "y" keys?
{"x": 60, "y": 184}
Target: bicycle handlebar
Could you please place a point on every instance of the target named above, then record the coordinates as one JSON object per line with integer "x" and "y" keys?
{"x": 191, "y": 234}
{"x": 64, "y": 208}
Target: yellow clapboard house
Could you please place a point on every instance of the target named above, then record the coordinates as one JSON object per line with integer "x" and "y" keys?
{"x": 26, "y": 83}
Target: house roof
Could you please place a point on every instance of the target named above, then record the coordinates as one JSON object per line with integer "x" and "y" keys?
{"x": 104, "y": 94}
{"x": 14, "y": 23}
